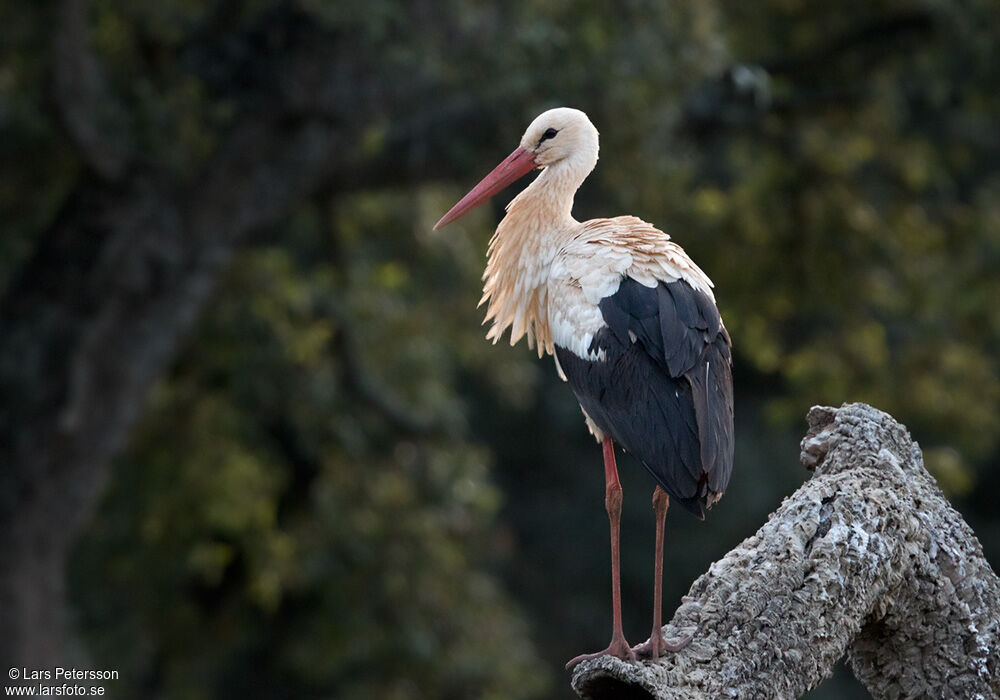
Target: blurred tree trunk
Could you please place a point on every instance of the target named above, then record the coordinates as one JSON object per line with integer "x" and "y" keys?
{"x": 867, "y": 558}
{"x": 91, "y": 322}
{"x": 95, "y": 316}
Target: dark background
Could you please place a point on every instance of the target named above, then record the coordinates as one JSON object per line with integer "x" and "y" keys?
{"x": 253, "y": 442}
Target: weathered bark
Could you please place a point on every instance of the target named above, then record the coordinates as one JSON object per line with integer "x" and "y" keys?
{"x": 867, "y": 559}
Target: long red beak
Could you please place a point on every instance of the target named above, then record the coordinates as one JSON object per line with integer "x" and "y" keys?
{"x": 516, "y": 165}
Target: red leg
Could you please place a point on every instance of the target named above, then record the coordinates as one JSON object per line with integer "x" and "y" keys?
{"x": 656, "y": 645}
{"x": 613, "y": 504}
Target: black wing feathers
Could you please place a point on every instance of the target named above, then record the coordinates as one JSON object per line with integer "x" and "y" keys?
{"x": 645, "y": 411}
{"x": 664, "y": 390}
{"x": 712, "y": 388}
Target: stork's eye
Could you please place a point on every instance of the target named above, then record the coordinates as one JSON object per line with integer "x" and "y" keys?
{"x": 549, "y": 134}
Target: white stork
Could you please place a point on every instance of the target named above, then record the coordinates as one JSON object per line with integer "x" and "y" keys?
{"x": 632, "y": 323}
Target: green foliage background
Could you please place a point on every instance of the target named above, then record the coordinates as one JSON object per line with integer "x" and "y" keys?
{"x": 341, "y": 490}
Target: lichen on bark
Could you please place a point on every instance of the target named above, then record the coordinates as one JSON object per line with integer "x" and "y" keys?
{"x": 866, "y": 559}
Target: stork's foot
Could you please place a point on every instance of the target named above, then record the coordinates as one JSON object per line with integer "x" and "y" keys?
{"x": 618, "y": 647}
{"x": 657, "y": 646}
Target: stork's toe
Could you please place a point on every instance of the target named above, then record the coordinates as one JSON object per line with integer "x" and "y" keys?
{"x": 618, "y": 648}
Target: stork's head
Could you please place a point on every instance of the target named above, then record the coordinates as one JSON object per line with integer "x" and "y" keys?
{"x": 561, "y": 138}
{"x": 562, "y": 134}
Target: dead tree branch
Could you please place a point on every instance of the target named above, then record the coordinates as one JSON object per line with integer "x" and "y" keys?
{"x": 866, "y": 559}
